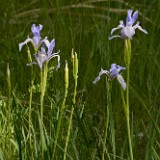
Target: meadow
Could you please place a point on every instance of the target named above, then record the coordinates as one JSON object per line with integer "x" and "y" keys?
{"x": 53, "y": 114}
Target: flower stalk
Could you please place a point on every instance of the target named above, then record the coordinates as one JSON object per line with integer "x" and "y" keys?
{"x": 43, "y": 54}
{"x": 107, "y": 118}
{"x": 113, "y": 72}
{"x": 127, "y": 32}
{"x": 30, "y": 97}
{"x": 75, "y": 75}
{"x": 9, "y": 106}
{"x": 127, "y": 58}
{"x": 62, "y": 108}
{"x": 44, "y": 73}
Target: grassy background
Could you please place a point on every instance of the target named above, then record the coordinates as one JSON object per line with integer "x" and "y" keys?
{"x": 84, "y": 26}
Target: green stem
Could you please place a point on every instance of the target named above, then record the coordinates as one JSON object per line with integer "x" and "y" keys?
{"x": 41, "y": 98}
{"x": 68, "y": 133}
{"x": 107, "y": 120}
{"x": 127, "y": 57}
{"x": 30, "y": 98}
{"x": 128, "y": 116}
{"x": 43, "y": 88}
{"x": 123, "y": 101}
{"x": 30, "y": 109}
{"x": 75, "y": 75}
{"x": 44, "y": 73}
{"x": 9, "y": 106}
{"x": 62, "y": 108}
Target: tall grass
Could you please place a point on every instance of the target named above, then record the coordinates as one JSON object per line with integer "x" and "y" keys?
{"x": 96, "y": 128}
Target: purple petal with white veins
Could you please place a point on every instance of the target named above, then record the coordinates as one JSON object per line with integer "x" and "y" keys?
{"x": 131, "y": 19}
{"x": 134, "y": 17}
{"x": 100, "y": 74}
{"x": 129, "y": 16}
{"x": 51, "y": 46}
{"x": 114, "y": 70}
{"x": 119, "y": 68}
{"x": 113, "y": 73}
{"x": 119, "y": 27}
{"x": 113, "y": 67}
{"x": 46, "y": 42}
{"x": 128, "y": 30}
{"x": 40, "y": 58}
{"x": 25, "y": 42}
{"x": 111, "y": 37}
{"x": 36, "y": 30}
{"x": 143, "y": 30}
{"x": 121, "y": 81}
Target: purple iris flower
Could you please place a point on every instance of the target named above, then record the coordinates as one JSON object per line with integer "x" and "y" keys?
{"x": 112, "y": 73}
{"x": 45, "y": 56}
{"x": 128, "y": 30}
{"x": 36, "y": 40}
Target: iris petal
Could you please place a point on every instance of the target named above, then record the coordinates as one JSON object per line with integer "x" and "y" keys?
{"x": 45, "y": 54}
{"x": 129, "y": 30}
{"x": 112, "y": 73}
{"x": 50, "y": 47}
{"x": 25, "y": 42}
{"x": 100, "y": 74}
{"x": 121, "y": 81}
{"x": 36, "y": 40}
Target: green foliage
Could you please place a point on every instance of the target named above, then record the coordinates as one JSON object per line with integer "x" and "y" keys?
{"x": 84, "y": 26}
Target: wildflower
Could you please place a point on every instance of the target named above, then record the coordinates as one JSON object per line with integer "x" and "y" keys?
{"x": 36, "y": 40}
{"x": 128, "y": 30}
{"x": 112, "y": 73}
{"x": 44, "y": 56}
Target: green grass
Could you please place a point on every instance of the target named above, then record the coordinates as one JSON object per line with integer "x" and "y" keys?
{"x": 84, "y": 27}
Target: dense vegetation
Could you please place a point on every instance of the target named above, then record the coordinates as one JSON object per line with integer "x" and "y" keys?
{"x": 88, "y": 112}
